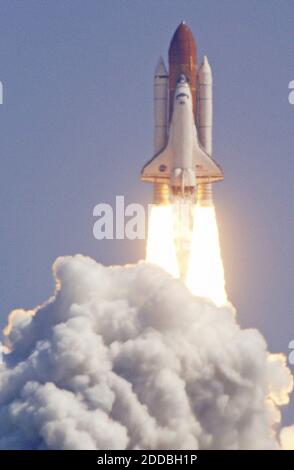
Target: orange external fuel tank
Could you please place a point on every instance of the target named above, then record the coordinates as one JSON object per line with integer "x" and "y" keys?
{"x": 182, "y": 56}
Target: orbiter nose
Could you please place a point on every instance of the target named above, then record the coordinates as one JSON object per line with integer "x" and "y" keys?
{"x": 182, "y": 79}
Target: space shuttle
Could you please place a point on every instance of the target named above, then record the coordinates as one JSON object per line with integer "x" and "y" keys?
{"x": 182, "y": 165}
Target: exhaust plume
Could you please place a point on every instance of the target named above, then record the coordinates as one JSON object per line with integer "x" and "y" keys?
{"x": 127, "y": 358}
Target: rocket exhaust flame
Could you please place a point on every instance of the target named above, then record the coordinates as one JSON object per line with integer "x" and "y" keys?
{"x": 205, "y": 274}
{"x": 183, "y": 209}
{"x": 161, "y": 248}
{"x": 183, "y": 239}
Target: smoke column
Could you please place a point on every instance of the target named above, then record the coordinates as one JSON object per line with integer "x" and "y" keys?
{"x": 127, "y": 358}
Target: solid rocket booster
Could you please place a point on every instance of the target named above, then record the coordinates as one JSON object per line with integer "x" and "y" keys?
{"x": 183, "y": 125}
{"x": 204, "y": 123}
{"x": 160, "y": 93}
{"x": 204, "y": 119}
{"x": 160, "y": 109}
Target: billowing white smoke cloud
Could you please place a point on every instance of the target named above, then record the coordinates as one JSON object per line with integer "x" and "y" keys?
{"x": 126, "y": 357}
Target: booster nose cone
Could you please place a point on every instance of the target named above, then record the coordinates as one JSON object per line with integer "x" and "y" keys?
{"x": 160, "y": 70}
{"x": 205, "y": 64}
{"x": 205, "y": 74}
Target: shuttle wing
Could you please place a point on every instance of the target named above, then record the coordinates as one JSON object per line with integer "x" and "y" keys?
{"x": 159, "y": 167}
{"x": 207, "y": 170}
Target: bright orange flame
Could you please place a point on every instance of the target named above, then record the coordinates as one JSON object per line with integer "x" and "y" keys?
{"x": 205, "y": 275}
{"x": 160, "y": 244}
{"x": 200, "y": 265}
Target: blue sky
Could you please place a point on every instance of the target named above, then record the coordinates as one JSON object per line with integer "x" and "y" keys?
{"x": 76, "y": 128}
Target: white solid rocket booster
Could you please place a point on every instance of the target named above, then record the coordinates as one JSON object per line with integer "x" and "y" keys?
{"x": 160, "y": 96}
{"x": 204, "y": 123}
{"x": 160, "y": 109}
{"x": 205, "y": 106}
